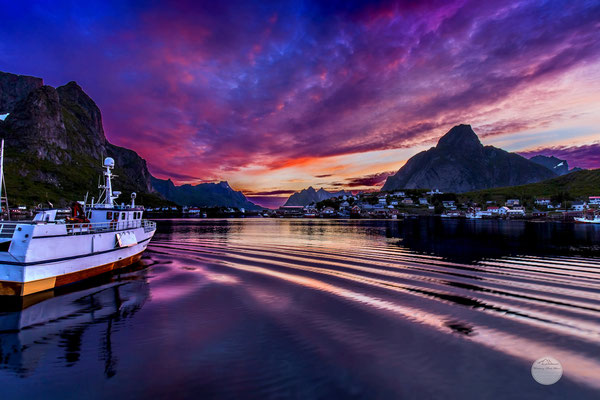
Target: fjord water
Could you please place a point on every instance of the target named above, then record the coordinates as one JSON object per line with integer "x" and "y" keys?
{"x": 272, "y": 308}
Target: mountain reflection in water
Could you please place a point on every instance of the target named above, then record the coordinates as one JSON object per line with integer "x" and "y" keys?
{"x": 265, "y": 308}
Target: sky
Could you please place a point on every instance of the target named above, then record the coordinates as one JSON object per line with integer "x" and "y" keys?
{"x": 277, "y": 96}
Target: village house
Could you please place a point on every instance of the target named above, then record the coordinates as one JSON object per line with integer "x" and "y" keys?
{"x": 512, "y": 202}
{"x": 345, "y": 204}
{"x": 450, "y": 204}
{"x": 194, "y": 210}
{"x": 515, "y": 212}
{"x": 595, "y": 200}
{"x": 328, "y": 211}
{"x": 407, "y": 201}
{"x": 399, "y": 194}
{"x": 423, "y": 201}
{"x": 579, "y": 205}
{"x": 494, "y": 209}
{"x": 435, "y": 191}
{"x": 542, "y": 202}
{"x": 394, "y": 202}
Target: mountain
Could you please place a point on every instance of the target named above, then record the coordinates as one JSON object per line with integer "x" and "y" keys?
{"x": 55, "y": 144}
{"x": 203, "y": 195}
{"x": 13, "y": 88}
{"x": 310, "y": 195}
{"x": 582, "y": 184}
{"x": 556, "y": 165}
{"x": 460, "y": 163}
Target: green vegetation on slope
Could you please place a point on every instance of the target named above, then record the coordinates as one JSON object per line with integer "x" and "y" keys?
{"x": 580, "y": 184}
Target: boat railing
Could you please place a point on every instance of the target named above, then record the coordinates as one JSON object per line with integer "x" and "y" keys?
{"x": 95, "y": 227}
{"x": 148, "y": 225}
{"x": 7, "y": 230}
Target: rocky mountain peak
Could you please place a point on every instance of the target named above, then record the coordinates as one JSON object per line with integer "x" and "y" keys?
{"x": 460, "y": 163}
{"x": 36, "y": 123}
{"x": 556, "y": 165}
{"x": 82, "y": 115}
{"x": 55, "y": 141}
{"x": 14, "y": 88}
{"x": 461, "y": 138}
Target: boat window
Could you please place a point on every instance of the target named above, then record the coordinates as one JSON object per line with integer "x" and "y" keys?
{"x": 109, "y": 215}
{"x": 122, "y": 216}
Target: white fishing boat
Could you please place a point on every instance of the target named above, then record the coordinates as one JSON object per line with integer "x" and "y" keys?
{"x": 48, "y": 252}
{"x": 589, "y": 219}
{"x": 451, "y": 214}
{"x": 473, "y": 215}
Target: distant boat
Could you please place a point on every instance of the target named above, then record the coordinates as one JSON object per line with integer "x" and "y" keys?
{"x": 48, "y": 252}
{"x": 474, "y": 215}
{"x": 451, "y": 214}
{"x": 588, "y": 219}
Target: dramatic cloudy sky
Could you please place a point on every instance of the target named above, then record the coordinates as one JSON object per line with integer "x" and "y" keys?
{"x": 276, "y": 96}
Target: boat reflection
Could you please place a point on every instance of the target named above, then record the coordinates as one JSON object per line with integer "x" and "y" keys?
{"x": 44, "y": 322}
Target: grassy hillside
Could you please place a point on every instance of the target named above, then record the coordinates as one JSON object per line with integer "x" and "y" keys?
{"x": 580, "y": 184}
{"x": 31, "y": 181}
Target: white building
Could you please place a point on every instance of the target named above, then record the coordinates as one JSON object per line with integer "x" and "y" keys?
{"x": 449, "y": 204}
{"x": 542, "y": 202}
{"x": 517, "y": 212}
{"x": 595, "y": 200}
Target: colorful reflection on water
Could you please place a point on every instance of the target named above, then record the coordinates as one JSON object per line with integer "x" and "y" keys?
{"x": 272, "y": 308}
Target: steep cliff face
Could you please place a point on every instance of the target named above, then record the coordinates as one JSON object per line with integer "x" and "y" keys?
{"x": 55, "y": 144}
{"x": 14, "y": 88}
{"x": 82, "y": 119}
{"x": 460, "y": 163}
{"x": 35, "y": 125}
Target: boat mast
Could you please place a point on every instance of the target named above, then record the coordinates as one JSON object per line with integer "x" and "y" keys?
{"x": 3, "y": 182}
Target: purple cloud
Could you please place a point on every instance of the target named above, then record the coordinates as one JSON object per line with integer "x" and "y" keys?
{"x": 203, "y": 89}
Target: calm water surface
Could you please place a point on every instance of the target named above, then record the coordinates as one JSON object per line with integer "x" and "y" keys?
{"x": 269, "y": 308}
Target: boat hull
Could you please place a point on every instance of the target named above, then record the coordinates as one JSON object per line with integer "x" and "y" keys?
{"x": 587, "y": 221}
{"x": 39, "y": 259}
{"x": 9, "y": 288}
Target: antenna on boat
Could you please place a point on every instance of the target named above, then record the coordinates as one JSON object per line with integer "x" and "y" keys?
{"x": 3, "y": 182}
{"x": 109, "y": 164}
